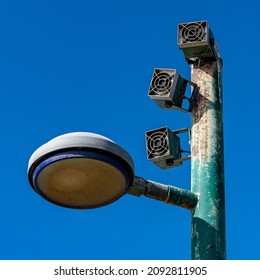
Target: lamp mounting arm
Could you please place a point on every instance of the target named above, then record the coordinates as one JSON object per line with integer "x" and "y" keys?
{"x": 165, "y": 193}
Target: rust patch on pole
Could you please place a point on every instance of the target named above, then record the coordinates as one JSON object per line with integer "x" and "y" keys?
{"x": 205, "y": 122}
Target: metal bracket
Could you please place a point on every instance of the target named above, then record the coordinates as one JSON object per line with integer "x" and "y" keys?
{"x": 138, "y": 187}
{"x": 196, "y": 61}
{"x": 190, "y": 99}
{"x": 179, "y": 161}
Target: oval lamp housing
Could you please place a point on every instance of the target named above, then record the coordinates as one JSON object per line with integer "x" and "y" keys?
{"x": 81, "y": 170}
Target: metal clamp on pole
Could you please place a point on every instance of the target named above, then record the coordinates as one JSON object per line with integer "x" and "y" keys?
{"x": 165, "y": 193}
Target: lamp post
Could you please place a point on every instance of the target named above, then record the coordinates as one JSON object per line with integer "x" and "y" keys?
{"x": 197, "y": 42}
{"x": 85, "y": 170}
{"x": 207, "y": 171}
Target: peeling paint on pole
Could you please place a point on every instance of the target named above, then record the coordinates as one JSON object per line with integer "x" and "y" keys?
{"x": 207, "y": 179}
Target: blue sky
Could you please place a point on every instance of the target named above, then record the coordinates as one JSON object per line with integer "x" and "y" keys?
{"x": 70, "y": 66}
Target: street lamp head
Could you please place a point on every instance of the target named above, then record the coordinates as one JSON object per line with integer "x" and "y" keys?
{"x": 81, "y": 170}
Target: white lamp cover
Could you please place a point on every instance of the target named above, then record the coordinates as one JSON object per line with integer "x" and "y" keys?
{"x": 81, "y": 170}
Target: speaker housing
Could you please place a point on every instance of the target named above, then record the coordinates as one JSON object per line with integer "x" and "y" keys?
{"x": 196, "y": 40}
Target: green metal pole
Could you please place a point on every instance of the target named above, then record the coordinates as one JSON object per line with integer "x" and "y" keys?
{"x": 207, "y": 172}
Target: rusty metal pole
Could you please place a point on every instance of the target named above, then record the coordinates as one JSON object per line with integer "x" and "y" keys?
{"x": 207, "y": 172}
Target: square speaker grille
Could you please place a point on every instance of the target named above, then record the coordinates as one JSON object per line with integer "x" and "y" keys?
{"x": 193, "y": 33}
{"x": 157, "y": 143}
{"x": 163, "y": 82}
